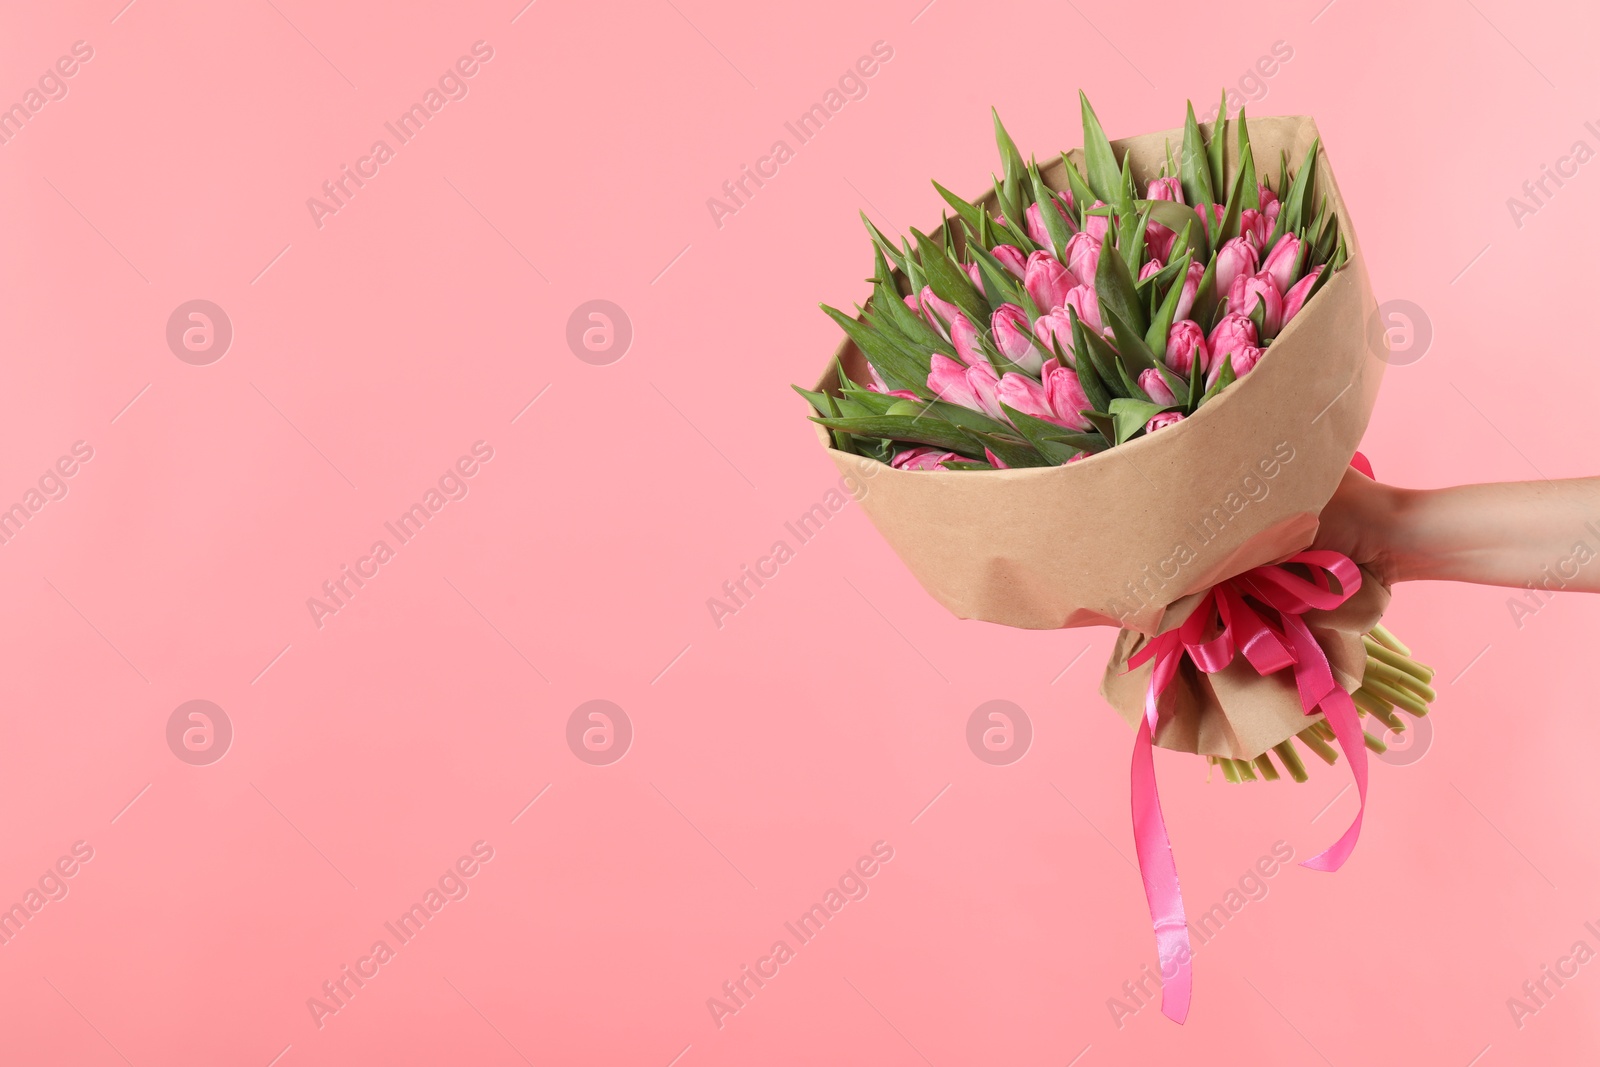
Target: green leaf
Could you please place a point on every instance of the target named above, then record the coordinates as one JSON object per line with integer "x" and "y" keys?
{"x": 1083, "y": 442}
{"x": 1196, "y": 389}
{"x": 1105, "y": 177}
{"x": 1194, "y": 172}
{"x": 1015, "y": 228}
{"x": 970, "y": 213}
{"x": 1039, "y": 434}
{"x": 1289, "y": 214}
{"x": 1155, "y": 338}
{"x": 1129, "y": 416}
{"x": 1094, "y": 387}
{"x": 883, "y": 243}
{"x": 1247, "y": 162}
{"x": 1216, "y": 146}
{"x": 1103, "y": 423}
{"x": 1082, "y": 195}
{"x": 897, "y": 370}
{"x": 818, "y": 401}
{"x": 1225, "y": 378}
{"x": 913, "y": 271}
{"x": 1205, "y": 297}
{"x": 1133, "y": 353}
{"x": 1101, "y": 359}
{"x": 965, "y": 417}
{"x": 923, "y": 430}
{"x": 1130, "y": 240}
{"x": 948, "y": 281}
{"x": 1016, "y": 178}
{"x": 1229, "y": 227}
{"x": 1113, "y": 283}
{"x": 1054, "y": 224}
{"x": 1012, "y": 451}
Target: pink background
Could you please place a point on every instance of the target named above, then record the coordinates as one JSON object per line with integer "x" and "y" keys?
{"x": 767, "y": 754}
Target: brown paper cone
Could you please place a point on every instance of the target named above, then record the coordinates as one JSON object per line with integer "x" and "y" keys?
{"x": 1116, "y": 538}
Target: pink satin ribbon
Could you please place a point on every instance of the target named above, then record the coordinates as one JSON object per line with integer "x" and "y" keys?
{"x": 1270, "y": 639}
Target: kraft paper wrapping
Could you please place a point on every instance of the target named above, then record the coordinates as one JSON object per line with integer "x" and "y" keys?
{"x": 1121, "y": 538}
{"x": 1115, "y": 538}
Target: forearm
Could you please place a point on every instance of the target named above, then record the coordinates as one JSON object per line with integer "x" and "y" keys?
{"x": 1508, "y": 533}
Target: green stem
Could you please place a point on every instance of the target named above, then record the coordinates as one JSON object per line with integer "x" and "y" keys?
{"x": 1378, "y": 709}
{"x": 1264, "y": 765}
{"x": 1382, "y": 635}
{"x": 1309, "y": 738}
{"x": 1395, "y": 659}
{"x": 1397, "y": 697}
{"x": 1291, "y": 761}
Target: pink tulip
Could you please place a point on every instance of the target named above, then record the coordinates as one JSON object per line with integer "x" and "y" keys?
{"x": 1158, "y": 241}
{"x": 1269, "y": 203}
{"x": 1065, "y": 394}
{"x": 1162, "y": 421}
{"x": 921, "y": 459}
{"x": 1234, "y": 332}
{"x": 1080, "y": 455}
{"x": 1281, "y": 261}
{"x": 1255, "y": 227}
{"x": 1164, "y": 189}
{"x": 1216, "y": 215}
{"x": 1083, "y": 256}
{"x": 1191, "y": 286}
{"x": 1258, "y": 288}
{"x": 1046, "y": 281}
{"x": 1086, "y": 303}
{"x": 1027, "y": 396}
{"x": 995, "y": 461}
{"x": 1153, "y": 266}
{"x": 1035, "y": 224}
{"x": 1055, "y": 325}
{"x": 1010, "y": 329}
{"x": 1244, "y": 361}
{"x": 1011, "y": 258}
{"x": 1156, "y": 387}
{"x": 1236, "y": 257}
{"x": 939, "y": 313}
{"x": 1296, "y": 297}
{"x": 1187, "y": 348}
{"x": 876, "y": 384}
{"x": 964, "y": 335}
{"x": 974, "y": 386}
{"x": 972, "y": 272}
{"x": 1097, "y": 226}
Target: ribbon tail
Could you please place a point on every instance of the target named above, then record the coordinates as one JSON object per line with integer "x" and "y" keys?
{"x": 1341, "y": 715}
{"x": 1159, "y": 871}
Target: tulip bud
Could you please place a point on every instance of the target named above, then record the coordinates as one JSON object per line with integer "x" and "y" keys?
{"x": 1011, "y": 258}
{"x": 1155, "y": 386}
{"x": 1191, "y": 287}
{"x": 1244, "y": 361}
{"x": 964, "y": 335}
{"x": 1236, "y": 257}
{"x": 921, "y": 459}
{"x": 972, "y": 387}
{"x": 1027, "y": 396}
{"x": 1162, "y": 421}
{"x": 1056, "y": 327}
{"x": 1255, "y": 227}
{"x": 1035, "y": 225}
{"x": 1046, "y": 281}
{"x": 1083, "y": 256}
{"x": 1097, "y": 226}
{"x": 1281, "y": 261}
{"x": 1269, "y": 203}
{"x": 939, "y": 313}
{"x": 1164, "y": 189}
{"x": 1066, "y": 396}
{"x": 1010, "y": 329}
{"x": 1086, "y": 302}
{"x": 1296, "y": 297}
{"x": 1258, "y": 289}
{"x": 972, "y": 272}
{"x": 1187, "y": 350}
{"x": 1234, "y": 332}
{"x": 995, "y": 461}
{"x": 876, "y": 384}
{"x": 1151, "y": 267}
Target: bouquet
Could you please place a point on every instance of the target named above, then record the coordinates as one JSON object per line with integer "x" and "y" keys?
{"x": 1083, "y": 406}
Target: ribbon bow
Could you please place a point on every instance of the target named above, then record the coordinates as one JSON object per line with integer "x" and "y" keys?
{"x": 1260, "y": 617}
